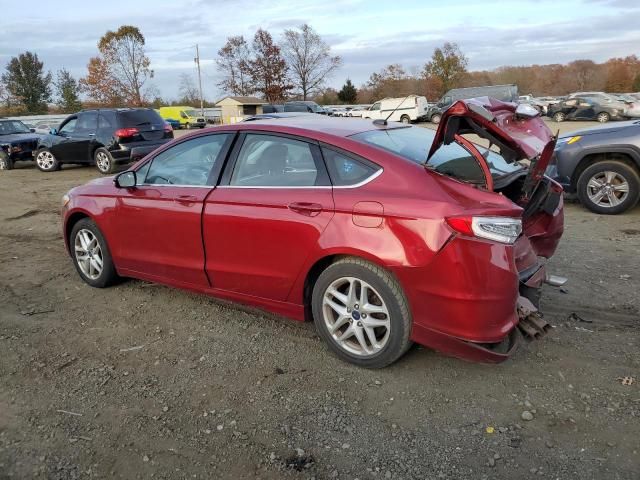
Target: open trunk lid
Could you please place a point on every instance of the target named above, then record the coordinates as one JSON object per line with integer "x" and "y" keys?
{"x": 518, "y": 131}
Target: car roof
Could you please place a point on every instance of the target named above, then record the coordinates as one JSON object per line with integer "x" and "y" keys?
{"x": 341, "y": 127}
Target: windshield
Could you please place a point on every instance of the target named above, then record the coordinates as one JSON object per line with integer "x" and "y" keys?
{"x": 191, "y": 113}
{"x": 413, "y": 143}
{"x": 9, "y": 127}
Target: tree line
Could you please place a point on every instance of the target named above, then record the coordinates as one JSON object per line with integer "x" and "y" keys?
{"x": 297, "y": 65}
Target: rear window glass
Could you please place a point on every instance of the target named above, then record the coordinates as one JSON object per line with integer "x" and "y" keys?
{"x": 135, "y": 118}
{"x": 344, "y": 170}
{"x": 413, "y": 143}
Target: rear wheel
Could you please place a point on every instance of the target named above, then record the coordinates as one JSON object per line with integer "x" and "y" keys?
{"x": 91, "y": 255}
{"x": 104, "y": 161}
{"x": 609, "y": 187}
{"x": 436, "y": 118}
{"x": 603, "y": 117}
{"x": 559, "y": 117}
{"x": 361, "y": 312}
{"x": 405, "y": 119}
{"x": 5, "y": 161}
{"x": 46, "y": 161}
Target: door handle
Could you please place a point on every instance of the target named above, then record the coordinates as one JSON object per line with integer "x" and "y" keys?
{"x": 306, "y": 208}
{"x": 186, "y": 199}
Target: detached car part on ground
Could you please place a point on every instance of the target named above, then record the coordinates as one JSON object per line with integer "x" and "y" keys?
{"x": 344, "y": 223}
{"x": 17, "y": 142}
{"x": 105, "y": 138}
{"x": 601, "y": 165}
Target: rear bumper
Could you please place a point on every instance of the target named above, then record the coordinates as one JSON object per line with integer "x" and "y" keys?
{"x": 127, "y": 153}
{"x": 464, "y": 303}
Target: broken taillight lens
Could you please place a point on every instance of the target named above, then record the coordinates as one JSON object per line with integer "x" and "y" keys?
{"x": 499, "y": 229}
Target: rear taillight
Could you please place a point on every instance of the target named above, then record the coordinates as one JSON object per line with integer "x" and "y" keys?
{"x": 126, "y": 132}
{"x": 499, "y": 229}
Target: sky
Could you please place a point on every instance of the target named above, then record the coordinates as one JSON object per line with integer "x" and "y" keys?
{"x": 367, "y": 34}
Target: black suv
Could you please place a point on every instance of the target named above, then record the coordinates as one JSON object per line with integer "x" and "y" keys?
{"x": 104, "y": 137}
{"x": 17, "y": 142}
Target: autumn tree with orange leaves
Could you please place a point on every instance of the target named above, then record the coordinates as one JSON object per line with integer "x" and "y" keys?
{"x": 118, "y": 74}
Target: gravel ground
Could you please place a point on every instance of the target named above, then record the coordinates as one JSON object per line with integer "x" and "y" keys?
{"x": 141, "y": 381}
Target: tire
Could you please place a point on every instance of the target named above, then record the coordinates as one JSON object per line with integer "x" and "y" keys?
{"x": 603, "y": 117}
{"x": 436, "y": 119}
{"x": 187, "y": 126}
{"x": 83, "y": 231}
{"x": 559, "y": 117}
{"x": 385, "y": 294}
{"x": 6, "y": 163}
{"x": 46, "y": 161}
{"x": 405, "y": 119}
{"x": 618, "y": 177}
{"x": 104, "y": 161}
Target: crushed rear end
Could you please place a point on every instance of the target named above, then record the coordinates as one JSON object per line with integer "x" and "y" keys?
{"x": 504, "y": 279}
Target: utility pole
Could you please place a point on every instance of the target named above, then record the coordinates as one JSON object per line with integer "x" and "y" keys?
{"x": 197, "y": 60}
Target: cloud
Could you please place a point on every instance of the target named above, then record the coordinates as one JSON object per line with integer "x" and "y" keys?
{"x": 368, "y": 35}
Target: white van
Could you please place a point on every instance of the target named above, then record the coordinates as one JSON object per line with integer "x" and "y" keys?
{"x": 407, "y": 109}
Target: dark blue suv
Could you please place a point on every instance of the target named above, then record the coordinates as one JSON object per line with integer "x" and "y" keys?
{"x": 601, "y": 165}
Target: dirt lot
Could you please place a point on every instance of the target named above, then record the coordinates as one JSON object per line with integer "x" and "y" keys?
{"x": 141, "y": 381}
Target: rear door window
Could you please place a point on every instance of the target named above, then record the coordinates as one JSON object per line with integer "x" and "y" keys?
{"x": 274, "y": 161}
{"x": 87, "y": 122}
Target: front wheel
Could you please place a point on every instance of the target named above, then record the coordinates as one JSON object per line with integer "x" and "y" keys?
{"x": 104, "y": 161}
{"x": 405, "y": 119}
{"x": 46, "y": 161}
{"x": 436, "y": 118}
{"x": 559, "y": 117}
{"x": 5, "y": 161}
{"x": 361, "y": 312}
{"x": 609, "y": 187}
{"x": 91, "y": 255}
{"x": 603, "y": 117}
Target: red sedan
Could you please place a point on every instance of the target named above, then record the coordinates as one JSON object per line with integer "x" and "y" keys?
{"x": 382, "y": 234}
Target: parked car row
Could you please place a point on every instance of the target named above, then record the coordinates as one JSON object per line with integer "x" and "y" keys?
{"x": 103, "y": 137}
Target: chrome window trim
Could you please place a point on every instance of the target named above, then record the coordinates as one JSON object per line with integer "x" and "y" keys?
{"x": 355, "y": 185}
{"x": 172, "y": 185}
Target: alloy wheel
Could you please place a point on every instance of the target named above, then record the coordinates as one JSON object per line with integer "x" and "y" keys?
{"x": 45, "y": 160}
{"x": 4, "y": 163}
{"x": 607, "y": 189}
{"x": 88, "y": 253}
{"x": 102, "y": 161}
{"x": 602, "y": 117}
{"x": 356, "y": 316}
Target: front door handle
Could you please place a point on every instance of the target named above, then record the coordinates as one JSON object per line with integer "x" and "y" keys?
{"x": 306, "y": 208}
{"x": 186, "y": 199}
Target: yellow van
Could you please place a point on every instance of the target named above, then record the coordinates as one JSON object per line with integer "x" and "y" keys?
{"x": 188, "y": 117}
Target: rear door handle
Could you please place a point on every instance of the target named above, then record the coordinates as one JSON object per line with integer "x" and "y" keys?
{"x": 306, "y": 208}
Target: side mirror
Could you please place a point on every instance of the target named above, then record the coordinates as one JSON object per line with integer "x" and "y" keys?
{"x": 126, "y": 179}
{"x": 53, "y": 131}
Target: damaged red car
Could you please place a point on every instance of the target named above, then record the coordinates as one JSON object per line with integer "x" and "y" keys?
{"x": 383, "y": 234}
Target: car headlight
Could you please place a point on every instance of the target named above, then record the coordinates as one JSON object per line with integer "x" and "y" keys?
{"x": 568, "y": 140}
{"x": 65, "y": 200}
